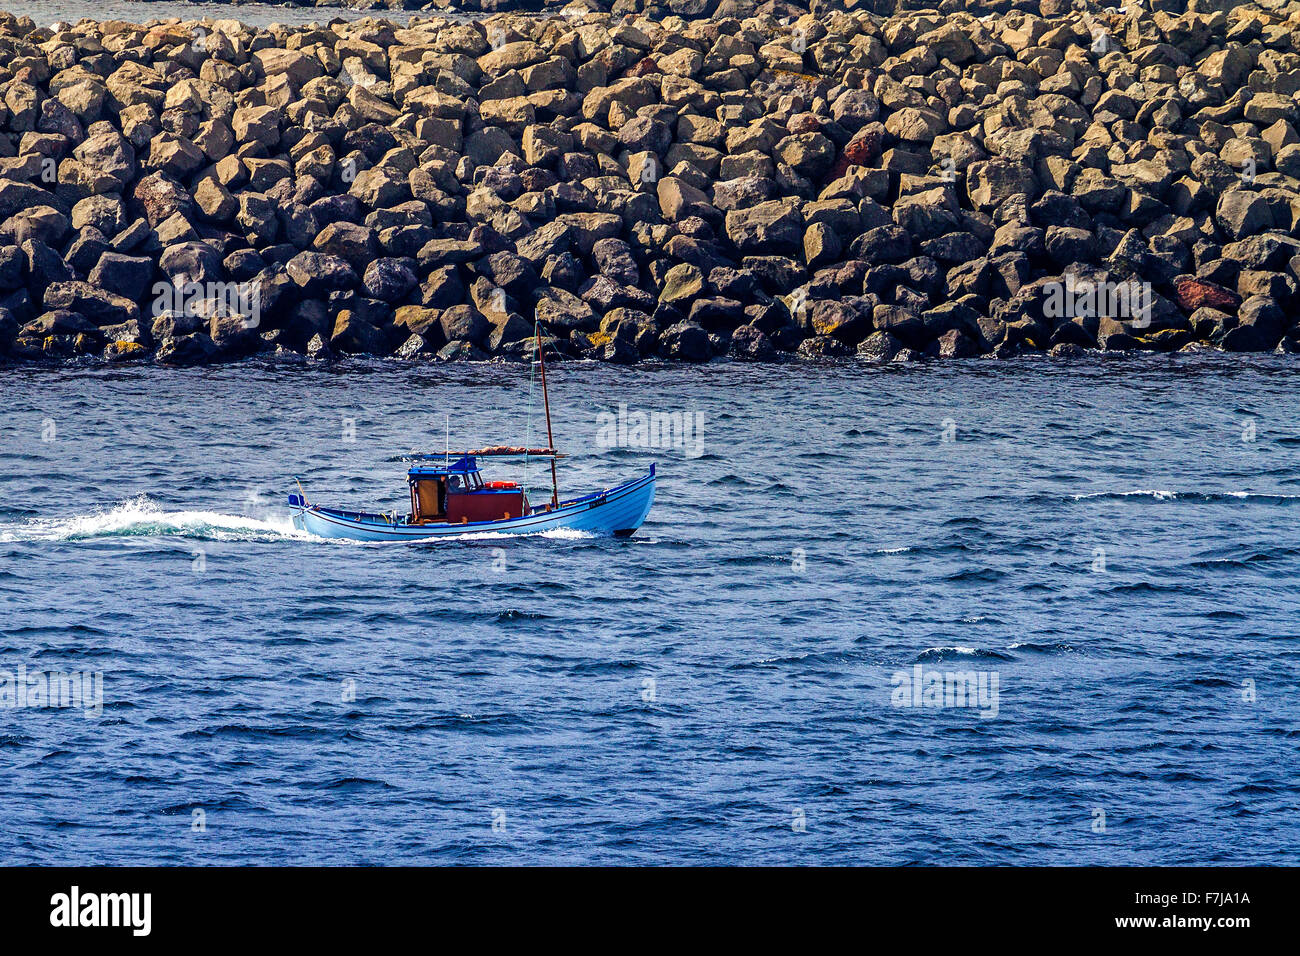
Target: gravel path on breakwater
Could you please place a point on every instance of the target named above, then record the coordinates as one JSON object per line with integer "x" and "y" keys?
{"x": 753, "y": 181}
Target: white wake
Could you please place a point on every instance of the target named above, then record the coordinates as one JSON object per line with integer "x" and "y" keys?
{"x": 141, "y": 517}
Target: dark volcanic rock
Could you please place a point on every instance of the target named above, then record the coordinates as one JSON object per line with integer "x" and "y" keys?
{"x": 316, "y": 273}
{"x": 686, "y": 342}
{"x": 750, "y": 344}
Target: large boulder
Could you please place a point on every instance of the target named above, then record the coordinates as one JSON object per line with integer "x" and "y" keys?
{"x": 316, "y": 273}
{"x": 99, "y": 305}
{"x": 775, "y": 227}
{"x": 564, "y": 312}
{"x": 127, "y": 276}
{"x": 685, "y": 342}
{"x": 994, "y": 181}
{"x": 389, "y": 279}
{"x": 1241, "y": 213}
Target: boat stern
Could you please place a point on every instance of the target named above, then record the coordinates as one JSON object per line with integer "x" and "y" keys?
{"x": 299, "y": 505}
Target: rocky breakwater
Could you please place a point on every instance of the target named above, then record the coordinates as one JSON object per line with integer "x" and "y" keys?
{"x": 923, "y": 184}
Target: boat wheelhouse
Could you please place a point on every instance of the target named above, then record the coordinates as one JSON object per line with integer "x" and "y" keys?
{"x": 455, "y": 492}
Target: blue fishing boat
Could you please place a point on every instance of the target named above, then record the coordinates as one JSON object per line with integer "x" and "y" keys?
{"x": 450, "y": 497}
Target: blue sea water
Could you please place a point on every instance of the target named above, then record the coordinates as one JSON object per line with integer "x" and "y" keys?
{"x": 1115, "y": 542}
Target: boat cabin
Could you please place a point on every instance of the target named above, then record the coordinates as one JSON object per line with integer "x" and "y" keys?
{"x": 456, "y": 493}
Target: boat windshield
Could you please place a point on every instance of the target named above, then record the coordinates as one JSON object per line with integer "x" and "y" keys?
{"x": 459, "y": 484}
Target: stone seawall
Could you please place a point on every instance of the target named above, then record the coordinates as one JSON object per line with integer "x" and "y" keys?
{"x": 752, "y": 181}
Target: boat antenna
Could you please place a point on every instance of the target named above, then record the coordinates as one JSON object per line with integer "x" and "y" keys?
{"x": 446, "y": 455}
{"x": 546, "y": 401}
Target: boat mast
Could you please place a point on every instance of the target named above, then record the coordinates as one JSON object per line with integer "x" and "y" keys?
{"x": 546, "y": 401}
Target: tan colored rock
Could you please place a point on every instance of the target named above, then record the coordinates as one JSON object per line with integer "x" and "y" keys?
{"x": 214, "y": 201}
{"x": 174, "y": 155}
{"x": 294, "y": 64}
{"x": 257, "y": 124}
{"x": 916, "y": 125}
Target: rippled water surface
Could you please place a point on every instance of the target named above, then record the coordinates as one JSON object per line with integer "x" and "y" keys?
{"x": 1117, "y": 544}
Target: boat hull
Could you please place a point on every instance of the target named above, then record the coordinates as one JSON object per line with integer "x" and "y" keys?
{"x": 617, "y": 511}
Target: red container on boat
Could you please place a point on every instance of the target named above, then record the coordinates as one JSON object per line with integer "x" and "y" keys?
{"x": 488, "y": 504}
